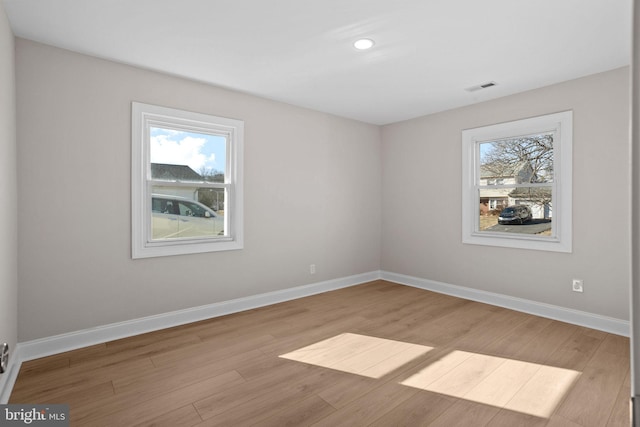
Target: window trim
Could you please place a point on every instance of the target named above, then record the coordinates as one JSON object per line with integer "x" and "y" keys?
{"x": 562, "y": 125}
{"x": 144, "y": 116}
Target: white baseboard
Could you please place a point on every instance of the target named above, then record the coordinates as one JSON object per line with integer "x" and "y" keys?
{"x": 70, "y": 341}
{"x": 576, "y": 317}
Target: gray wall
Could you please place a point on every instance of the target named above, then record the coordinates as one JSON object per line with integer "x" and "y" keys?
{"x": 635, "y": 208}
{"x": 422, "y": 200}
{"x": 312, "y": 195}
{"x": 8, "y": 187}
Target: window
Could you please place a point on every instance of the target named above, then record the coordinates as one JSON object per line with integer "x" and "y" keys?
{"x": 517, "y": 183}
{"x": 186, "y": 182}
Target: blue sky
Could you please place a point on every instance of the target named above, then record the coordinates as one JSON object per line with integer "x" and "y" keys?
{"x": 485, "y": 147}
{"x": 196, "y": 150}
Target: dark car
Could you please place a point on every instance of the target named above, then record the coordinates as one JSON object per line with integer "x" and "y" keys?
{"x": 518, "y": 214}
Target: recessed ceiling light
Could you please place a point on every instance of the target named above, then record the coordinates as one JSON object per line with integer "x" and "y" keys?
{"x": 363, "y": 44}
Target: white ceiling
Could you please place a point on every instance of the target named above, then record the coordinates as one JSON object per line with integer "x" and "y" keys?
{"x": 300, "y": 51}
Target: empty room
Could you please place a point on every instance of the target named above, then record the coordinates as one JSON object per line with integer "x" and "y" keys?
{"x": 293, "y": 213}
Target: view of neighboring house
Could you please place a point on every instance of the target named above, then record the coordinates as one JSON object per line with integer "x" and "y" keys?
{"x": 211, "y": 197}
{"x": 493, "y": 200}
{"x": 182, "y": 173}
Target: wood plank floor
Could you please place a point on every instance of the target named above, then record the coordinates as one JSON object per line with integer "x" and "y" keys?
{"x": 378, "y": 354}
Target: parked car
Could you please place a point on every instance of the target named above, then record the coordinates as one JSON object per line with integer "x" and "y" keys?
{"x": 515, "y": 214}
{"x": 175, "y": 217}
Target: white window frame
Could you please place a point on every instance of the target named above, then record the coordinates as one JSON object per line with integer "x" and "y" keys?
{"x": 145, "y": 116}
{"x": 561, "y": 124}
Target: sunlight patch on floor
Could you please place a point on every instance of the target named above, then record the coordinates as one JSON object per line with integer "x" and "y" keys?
{"x": 515, "y": 385}
{"x": 359, "y": 354}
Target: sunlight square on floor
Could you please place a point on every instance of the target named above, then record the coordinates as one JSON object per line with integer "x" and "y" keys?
{"x": 515, "y": 385}
{"x": 359, "y": 354}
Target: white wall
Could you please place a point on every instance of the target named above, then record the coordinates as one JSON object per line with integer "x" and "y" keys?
{"x": 312, "y": 195}
{"x": 421, "y": 218}
{"x": 8, "y": 188}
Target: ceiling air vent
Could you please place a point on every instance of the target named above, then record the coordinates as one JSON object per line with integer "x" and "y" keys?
{"x": 482, "y": 86}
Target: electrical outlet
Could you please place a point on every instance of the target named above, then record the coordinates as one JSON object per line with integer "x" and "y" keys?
{"x": 312, "y": 269}
{"x": 577, "y": 285}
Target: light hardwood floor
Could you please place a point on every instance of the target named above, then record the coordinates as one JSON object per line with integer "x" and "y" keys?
{"x": 378, "y": 354}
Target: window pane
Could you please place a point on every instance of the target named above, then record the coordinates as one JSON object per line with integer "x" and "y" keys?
{"x": 523, "y": 163}
{"x": 187, "y": 184}
{"x": 213, "y": 198}
{"x": 174, "y": 216}
{"x": 527, "y": 159}
{"x": 187, "y": 156}
{"x": 518, "y": 210}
